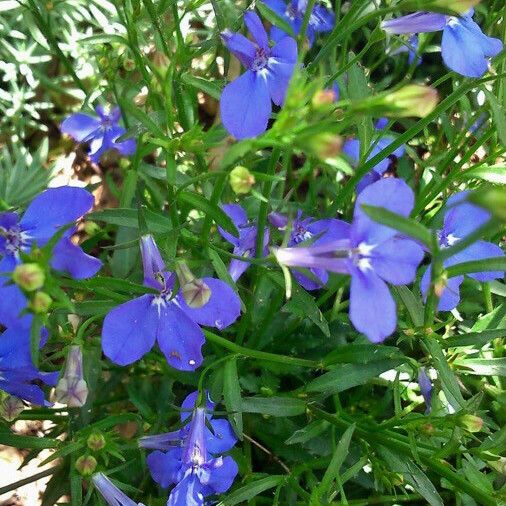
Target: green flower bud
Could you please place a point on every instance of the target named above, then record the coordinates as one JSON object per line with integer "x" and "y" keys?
{"x": 323, "y": 98}
{"x": 41, "y": 303}
{"x": 241, "y": 180}
{"x": 86, "y": 465}
{"x": 95, "y": 441}
{"x": 471, "y": 423}
{"x": 11, "y": 407}
{"x": 195, "y": 292}
{"x": 412, "y": 100}
{"x": 29, "y": 277}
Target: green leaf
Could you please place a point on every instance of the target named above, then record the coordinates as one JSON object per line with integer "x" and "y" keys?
{"x": 448, "y": 380}
{"x": 361, "y": 354}
{"x": 412, "y": 474}
{"x": 37, "y": 443}
{"x": 251, "y": 490}
{"x": 498, "y": 114}
{"x": 232, "y": 395}
{"x": 407, "y": 226}
{"x": 332, "y": 472}
{"x": 274, "y": 406}
{"x": 483, "y": 366}
{"x": 216, "y": 213}
{"x": 347, "y": 376}
{"x": 413, "y": 304}
{"x": 310, "y": 431}
{"x": 485, "y": 265}
{"x": 212, "y": 88}
{"x": 157, "y": 223}
{"x": 274, "y": 19}
{"x": 475, "y": 339}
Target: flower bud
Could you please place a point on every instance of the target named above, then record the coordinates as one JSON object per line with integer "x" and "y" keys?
{"x": 412, "y": 100}
{"x": 11, "y": 407}
{"x": 86, "y": 465}
{"x": 326, "y": 145}
{"x": 29, "y": 277}
{"x": 241, "y": 180}
{"x": 322, "y": 98}
{"x": 471, "y": 423}
{"x": 41, "y": 303}
{"x": 141, "y": 97}
{"x": 195, "y": 292}
{"x": 455, "y": 5}
{"x": 72, "y": 389}
{"x": 95, "y": 441}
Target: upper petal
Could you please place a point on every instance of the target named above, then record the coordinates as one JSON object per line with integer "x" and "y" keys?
{"x": 129, "y": 330}
{"x": 285, "y": 51}
{"x": 245, "y": 105}
{"x": 241, "y": 47}
{"x": 239, "y": 218}
{"x": 222, "y": 439}
{"x": 392, "y": 194}
{"x": 278, "y": 6}
{"x": 256, "y": 28}
{"x": 372, "y": 308}
{"x": 222, "y": 309}
{"x": 80, "y": 126}
{"x": 179, "y": 338}
{"x": 417, "y": 22}
{"x": 278, "y": 78}
{"x": 479, "y": 251}
{"x": 489, "y": 45}
{"x": 54, "y": 208}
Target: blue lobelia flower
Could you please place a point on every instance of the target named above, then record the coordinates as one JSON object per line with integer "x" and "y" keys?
{"x": 47, "y": 213}
{"x": 464, "y": 47}
{"x": 191, "y": 457}
{"x": 131, "y": 329}
{"x": 372, "y": 254}
{"x": 245, "y": 103}
{"x": 425, "y": 385}
{"x": 111, "y": 493}
{"x": 17, "y": 371}
{"x": 461, "y": 219}
{"x": 351, "y": 148}
{"x": 307, "y": 229}
{"x": 321, "y": 19}
{"x": 101, "y": 132}
{"x": 245, "y": 244}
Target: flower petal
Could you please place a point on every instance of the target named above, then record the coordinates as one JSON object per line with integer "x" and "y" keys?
{"x": 129, "y": 330}
{"x": 241, "y": 47}
{"x": 239, "y": 218}
{"x": 222, "y": 309}
{"x": 285, "y": 51}
{"x": 164, "y": 466}
{"x": 372, "y": 308}
{"x": 222, "y": 439}
{"x": 179, "y": 338}
{"x": 188, "y": 492}
{"x": 278, "y": 78}
{"x": 54, "y": 208}
{"x": 72, "y": 259}
{"x": 245, "y": 105}
{"x": 417, "y": 22}
{"x": 478, "y": 251}
{"x": 397, "y": 260}
{"x": 222, "y": 473}
{"x": 278, "y": 6}
{"x": 450, "y": 296}
{"x": 80, "y": 126}
{"x": 463, "y": 218}
{"x": 256, "y": 28}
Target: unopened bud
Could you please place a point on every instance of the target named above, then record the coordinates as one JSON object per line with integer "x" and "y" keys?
{"x": 195, "y": 292}
{"x": 141, "y": 97}
{"x": 427, "y": 429}
{"x": 41, "y": 303}
{"x": 241, "y": 180}
{"x": 91, "y": 228}
{"x": 440, "y": 285}
{"x": 471, "y": 423}
{"x": 128, "y": 64}
{"x": 86, "y": 465}
{"x": 412, "y": 100}
{"x": 29, "y": 277}
{"x": 455, "y": 5}
{"x": 11, "y": 407}
{"x": 95, "y": 442}
{"x": 326, "y": 145}
{"x": 322, "y": 98}
{"x": 72, "y": 389}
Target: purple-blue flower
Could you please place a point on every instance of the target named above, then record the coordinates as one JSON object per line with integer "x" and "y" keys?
{"x": 351, "y": 148}
{"x": 44, "y": 217}
{"x": 425, "y": 385}
{"x": 111, "y": 493}
{"x": 245, "y": 244}
{"x": 131, "y": 329}
{"x": 307, "y": 229}
{"x": 17, "y": 371}
{"x": 191, "y": 458}
{"x": 372, "y": 254}
{"x": 461, "y": 219}
{"x": 464, "y": 47}
{"x": 245, "y": 103}
{"x": 100, "y": 132}
{"x": 321, "y": 19}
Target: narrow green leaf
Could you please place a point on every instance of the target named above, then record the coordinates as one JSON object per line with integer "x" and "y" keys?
{"x": 413, "y": 304}
{"x": 216, "y": 213}
{"x": 498, "y": 114}
{"x": 485, "y": 265}
{"x": 483, "y": 366}
{"x": 475, "y": 339}
{"x": 212, "y": 88}
{"x": 407, "y": 226}
{"x": 251, "y": 490}
{"x": 157, "y": 223}
{"x": 232, "y": 395}
{"x": 310, "y": 431}
{"x": 274, "y": 406}
{"x": 361, "y": 354}
{"x": 36, "y": 443}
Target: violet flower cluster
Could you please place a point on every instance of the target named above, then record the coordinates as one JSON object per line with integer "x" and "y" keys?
{"x": 191, "y": 458}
